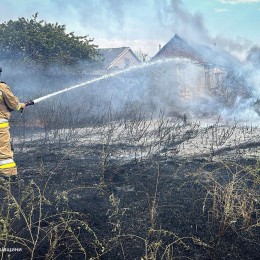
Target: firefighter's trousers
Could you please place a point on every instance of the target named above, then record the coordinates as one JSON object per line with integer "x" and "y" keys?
{"x": 7, "y": 164}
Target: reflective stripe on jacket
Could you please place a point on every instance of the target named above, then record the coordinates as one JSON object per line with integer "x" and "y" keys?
{"x": 4, "y": 123}
{"x": 6, "y": 164}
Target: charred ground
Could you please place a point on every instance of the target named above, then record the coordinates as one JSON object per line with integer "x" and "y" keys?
{"x": 134, "y": 189}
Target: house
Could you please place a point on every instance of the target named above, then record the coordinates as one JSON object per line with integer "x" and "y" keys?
{"x": 178, "y": 48}
{"x": 194, "y": 73}
{"x": 117, "y": 58}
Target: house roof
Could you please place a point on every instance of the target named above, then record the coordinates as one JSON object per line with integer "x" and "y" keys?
{"x": 112, "y": 55}
{"x": 198, "y": 53}
{"x": 217, "y": 56}
{"x": 178, "y": 48}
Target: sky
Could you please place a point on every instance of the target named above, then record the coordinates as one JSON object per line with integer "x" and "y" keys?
{"x": 144, "y": 24}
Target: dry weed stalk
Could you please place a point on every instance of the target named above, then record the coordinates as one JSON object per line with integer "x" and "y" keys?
{"x": 234, "y": 205}
{"x": 25, "y": 222}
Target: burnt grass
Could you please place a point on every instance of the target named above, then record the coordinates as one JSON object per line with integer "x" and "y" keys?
{"x": 98, "y": 207}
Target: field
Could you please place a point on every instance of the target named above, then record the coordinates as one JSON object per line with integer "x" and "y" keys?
{"x": 136, "y": 188}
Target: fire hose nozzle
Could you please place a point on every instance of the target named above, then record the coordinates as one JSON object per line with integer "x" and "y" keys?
{"x": 28, "y": 103}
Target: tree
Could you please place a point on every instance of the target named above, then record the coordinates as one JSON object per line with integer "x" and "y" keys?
{"x": 144, "y": 57}
{"x": 45, "y": 43}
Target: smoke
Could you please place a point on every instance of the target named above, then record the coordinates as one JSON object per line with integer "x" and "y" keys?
{"x": 114, "y": 23}
{"x": 105, "y": 16}
{"x": 244, "y": 111}
{"x": 107, "y": 19}
{"x": 237, "y": 55}
{"x": 155, "y": 87}
{"x": 254, "y": 56}
{"x": 193, "y": 28}
{"x": 174, "y": 14}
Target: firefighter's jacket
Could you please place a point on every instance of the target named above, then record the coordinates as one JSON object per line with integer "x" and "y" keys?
{"x": 8, "y": 103}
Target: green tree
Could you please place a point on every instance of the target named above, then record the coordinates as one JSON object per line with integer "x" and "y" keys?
{"x": 45, "y": 43}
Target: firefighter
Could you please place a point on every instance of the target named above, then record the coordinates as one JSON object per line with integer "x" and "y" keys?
{"x": 8, "y": 102}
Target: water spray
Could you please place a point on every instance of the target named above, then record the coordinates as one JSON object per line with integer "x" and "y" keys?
{"x": 107, "y": 76}
{"x": 104, "y": 77}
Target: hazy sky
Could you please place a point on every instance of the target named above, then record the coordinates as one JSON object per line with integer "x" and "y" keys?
{"x": 144, "y": 24}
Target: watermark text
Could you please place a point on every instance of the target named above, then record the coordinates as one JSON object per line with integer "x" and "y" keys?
{"x": 10, "y": 249}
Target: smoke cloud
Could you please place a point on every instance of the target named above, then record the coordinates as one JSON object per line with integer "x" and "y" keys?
{"x": 114, "y": 23}
{"x": 173, "y": 13}
{"x": 111, "y": 20}
{"x": 192, "y": 27}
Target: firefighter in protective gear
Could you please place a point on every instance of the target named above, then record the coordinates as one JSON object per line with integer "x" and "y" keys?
{"x": 8, "y": 102}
